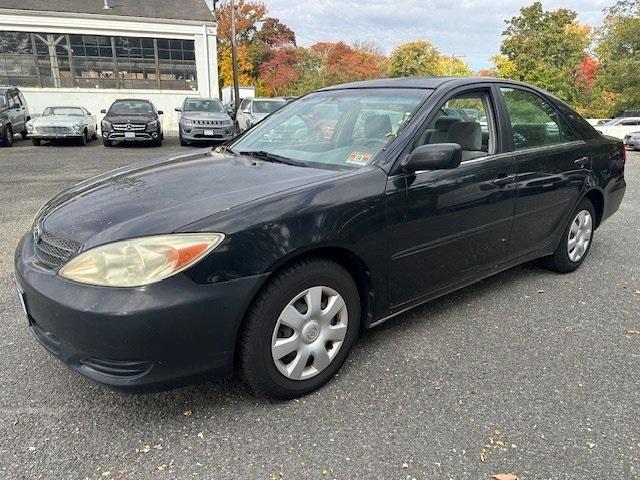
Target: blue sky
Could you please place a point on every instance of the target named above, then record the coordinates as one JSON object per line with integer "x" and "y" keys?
{"x": 469, "y": 28}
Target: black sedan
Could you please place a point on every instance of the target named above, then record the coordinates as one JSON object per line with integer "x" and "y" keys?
{"x": 338, "y": 212}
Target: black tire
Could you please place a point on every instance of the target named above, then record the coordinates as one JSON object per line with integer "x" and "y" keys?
{"x": 95, "y": 134}
{"x": 36, "y": 142}
{"x": 182, "y": 142}
{"x": 254, "y": 347}
{"x": 24, "y": 134}
{"x": 107, "y": 143}
{"x": 560, "y": 261}
{"x": 83, "y": 140}
{"x": 6, "y": 140}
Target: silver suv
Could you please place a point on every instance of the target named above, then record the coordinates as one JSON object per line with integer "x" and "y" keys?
{"x": 204, "y": 119}
{"x": 253, "y": 110}
{"x": 14, "y": 115}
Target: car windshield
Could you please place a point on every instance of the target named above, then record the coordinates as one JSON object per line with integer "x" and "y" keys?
{"x": 334, "y": 129}
{"x": 200, "y": 105}
{"x": 3, "y": 100}
{"x": 131, "y": 107}
{"x": 267, "y": 106}
{"x": 72, "y": 111}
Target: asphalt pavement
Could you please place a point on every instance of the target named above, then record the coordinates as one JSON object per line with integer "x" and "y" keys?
{"x": 529, "y": 372}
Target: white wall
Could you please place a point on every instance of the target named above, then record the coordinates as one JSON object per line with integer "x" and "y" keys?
{"x": 98, "y": 99}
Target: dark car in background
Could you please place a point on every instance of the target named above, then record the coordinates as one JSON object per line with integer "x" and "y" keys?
{"x": 336, "y": 213}
{"x": 204, "y": 119}
{"x": 132, "y": 120}
{"x": 14, "y": 115}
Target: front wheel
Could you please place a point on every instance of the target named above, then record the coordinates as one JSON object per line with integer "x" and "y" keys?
{"x": 6, "y": 139}
{"x": 300, "y": 329}
{"x": 107, "y": 143}
{"x": 576, "y": 239}
{"x": 83, "y": 140}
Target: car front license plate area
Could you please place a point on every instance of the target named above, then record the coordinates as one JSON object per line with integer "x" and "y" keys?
{"x": 209, "y": 133}
{"x": 129, "y": 135}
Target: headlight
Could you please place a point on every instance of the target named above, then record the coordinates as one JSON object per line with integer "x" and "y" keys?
{"x": 153, "y": 125}
{"x": 76, "y": 127}
{"x": 29, "y": 127}
{"x": 187, "y": 122}
{"x": 140, "y": 261}
{"x": 105, "y": 125}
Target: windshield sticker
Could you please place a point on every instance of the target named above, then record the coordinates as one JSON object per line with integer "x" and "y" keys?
{"x": 359, "y": 158}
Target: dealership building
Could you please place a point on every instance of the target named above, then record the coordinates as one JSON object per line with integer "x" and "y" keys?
{"x": 90, "y": 52}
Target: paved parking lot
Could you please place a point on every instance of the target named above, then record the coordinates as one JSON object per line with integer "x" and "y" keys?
{"x": 529, "y": 372}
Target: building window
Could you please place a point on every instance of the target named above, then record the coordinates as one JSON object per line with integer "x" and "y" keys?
{"x": 95, "y": 61}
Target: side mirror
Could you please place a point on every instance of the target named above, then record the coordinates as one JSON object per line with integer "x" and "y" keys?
{"x": 178, "y": 109}
{"x": 160, "y": 112}
{"x": 103, "y": 111}
{"x": 439, "y": 156}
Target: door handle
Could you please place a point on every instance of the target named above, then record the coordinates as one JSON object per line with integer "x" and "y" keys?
{"x": 582, "y": 161}
{"x": 504, "y": 181}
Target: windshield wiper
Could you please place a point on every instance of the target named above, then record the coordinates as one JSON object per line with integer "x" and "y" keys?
{"x": 272, "y": 157}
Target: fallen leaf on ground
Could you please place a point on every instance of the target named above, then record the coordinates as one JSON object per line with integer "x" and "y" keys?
{"x": 201, "y": 436}
{"x": 187, "y": 413}
{"x": 637, "y": 292}
{"x": 633, "y": 332}
{"x": 145, "y": 449}
{"x": 405, "y": 465}
{"x": 505, "y": 476}
{"x": 324, "y": 472}
{"x": 162, "y": 467}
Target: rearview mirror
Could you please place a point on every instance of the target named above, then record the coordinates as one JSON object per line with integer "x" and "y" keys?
{"x": 103, "y": 111}
{"x": 178, "y": 109}
{"x": 160, "y": 112}
{"x": 439, "y": 156}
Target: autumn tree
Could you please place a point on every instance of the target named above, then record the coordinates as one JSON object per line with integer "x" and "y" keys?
{"x": 546, "y": 48}
{"x": 414, "y": 59}
{"x": 618, "y": 51}
{"x": 248, "y": 15}
{"x": 343, "y": 63}
{"x": 275, "y": 34}
{"x": 280, "y": 73}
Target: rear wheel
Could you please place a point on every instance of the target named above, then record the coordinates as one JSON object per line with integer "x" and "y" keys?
{"x": 576, "y": 239}
{"x": 300, "y": 329}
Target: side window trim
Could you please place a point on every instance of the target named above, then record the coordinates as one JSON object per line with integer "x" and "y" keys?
{"x": 509, "y": 125}
{"x": 485, "y": 90}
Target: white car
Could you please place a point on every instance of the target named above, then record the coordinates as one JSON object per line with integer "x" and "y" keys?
{"x": 253, "y": 110}
{"x": 619, "y": 127}
{"x": 58, "y": 123}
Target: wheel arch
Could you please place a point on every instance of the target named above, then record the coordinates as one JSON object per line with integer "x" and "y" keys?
{"x": 596, "y": 197}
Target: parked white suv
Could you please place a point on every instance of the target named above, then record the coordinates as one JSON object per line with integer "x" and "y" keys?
{"x": 619, "y": 127}
{"x": 253, "y": 110}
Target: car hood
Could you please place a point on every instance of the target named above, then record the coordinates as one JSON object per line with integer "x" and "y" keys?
{"x": 218, "y": 116}
{"x": 56, "y": 120}
{"x": 162, "y": 196}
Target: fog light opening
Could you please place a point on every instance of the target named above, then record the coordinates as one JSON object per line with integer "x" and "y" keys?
{"x": 154, "y": 135}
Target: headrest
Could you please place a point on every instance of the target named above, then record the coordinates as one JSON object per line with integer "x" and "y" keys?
{"x": 466, "y": 134}
{"x": 377, "y": 126}
{"x": 534, "y": 133}
{"x": 444, "y": 123}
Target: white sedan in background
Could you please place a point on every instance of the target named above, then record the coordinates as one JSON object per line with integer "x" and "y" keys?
{"x": 57, "y": 123}
{"x": 619, "y": 127}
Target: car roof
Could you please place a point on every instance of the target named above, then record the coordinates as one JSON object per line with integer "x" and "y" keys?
{"x": 268, "y": 99}
{"x": 423, "y": 82}
{"x": 132, "y": 100}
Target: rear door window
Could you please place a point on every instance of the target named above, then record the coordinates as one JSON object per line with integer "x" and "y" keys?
{"x": 534, "y": 122}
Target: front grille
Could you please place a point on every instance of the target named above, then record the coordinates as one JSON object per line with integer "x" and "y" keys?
{"x": 211, "y": 123}
{"x": 129, "y": 127}
{"x": 54, "y": 130}
{"x": 54, "y": 251}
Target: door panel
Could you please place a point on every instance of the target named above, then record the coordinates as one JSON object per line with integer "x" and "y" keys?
{"x": 549, "y": 183}
{"x": 456, "y": 224}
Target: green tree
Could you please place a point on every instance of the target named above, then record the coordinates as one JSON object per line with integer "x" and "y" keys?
{"x": 414, "y": 59}
{"x": 546, "y": 48}
{"x": 618, "y": 51}
{"x": 453, "y": 67}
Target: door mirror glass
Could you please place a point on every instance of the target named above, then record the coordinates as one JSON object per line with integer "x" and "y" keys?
{"x": 440, "y": 156}
{"x": 160, "y": 112}
{"x": 178, "y": 109}
{"x": 103, "y": 111}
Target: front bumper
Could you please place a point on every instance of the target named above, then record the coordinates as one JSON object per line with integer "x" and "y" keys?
{"x": 162, "y": 335}
{"x": 632, "y": 144}
{"x": 191, "y": 133}
{"x": 55, "y": 136}
{"x": 138, "y": 136}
